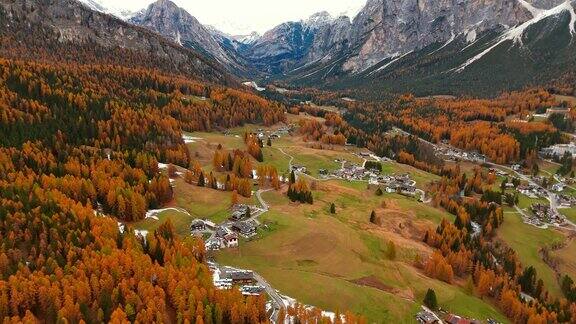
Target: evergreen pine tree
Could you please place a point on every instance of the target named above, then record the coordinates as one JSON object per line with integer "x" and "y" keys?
{"x": 373, "y": 217}
{"x": 292, "y": 177}
{"x": 201, "y": 180}
{"x": 430, "y": 299}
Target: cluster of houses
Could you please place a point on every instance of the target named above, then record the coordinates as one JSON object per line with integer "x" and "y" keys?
{"x": 559, "y": 150}
{"x": 399, "y": 183}
{"x": 353, "y": 172}
{"x": 565, "y": 201}
{"x": 426, "y": 316}
{"x": 273, "y": 134}
{"x": 543, "y": 214}
{"x": 227, "y": 234}
{"x": 532, "y": 191}
{"x": 454, "y": 154}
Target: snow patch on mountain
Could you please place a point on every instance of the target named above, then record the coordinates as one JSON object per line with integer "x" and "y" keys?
{"x": 533, "y": 10}
{"x": 395, "y": 58}
{"x": 246, "y": 39}
{"x": 471, "y": 36}
{"x": 178, "y": 38}
{"x": 318, "y": 19}
{"x": 254, "y": 85}
{"x": 515, "y": 34}
{"x": 110, "y": 10}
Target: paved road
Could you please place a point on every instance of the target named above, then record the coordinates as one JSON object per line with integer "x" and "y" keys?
{"x": 278, "y": 302}
{"x": 262, "y": 202}
{"x": 425, "y": 199}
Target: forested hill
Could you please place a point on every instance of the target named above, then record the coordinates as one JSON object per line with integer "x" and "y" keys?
{"x": 67, "y": 31}
{"x": 79, "y": 147}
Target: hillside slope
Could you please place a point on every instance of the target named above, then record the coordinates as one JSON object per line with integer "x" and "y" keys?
{"x": 66, "y": 30}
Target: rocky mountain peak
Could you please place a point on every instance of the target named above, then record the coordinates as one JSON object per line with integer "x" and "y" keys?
{"x": 318, "y": 19}
{"x": 175, "y": 23}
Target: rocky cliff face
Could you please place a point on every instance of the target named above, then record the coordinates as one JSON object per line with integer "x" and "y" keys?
{"x": 294, "y": 44}
{"x": 392, "y": 28}
{"x": 176, "y": 24}
{"x": 385, "y": 29}
{"x": 473, "y": 47}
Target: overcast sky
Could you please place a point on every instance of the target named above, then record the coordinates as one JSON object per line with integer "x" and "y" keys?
{"x": 244, "y": 16}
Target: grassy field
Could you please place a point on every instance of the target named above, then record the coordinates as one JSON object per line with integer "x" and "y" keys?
{"x": 567, "y": 260}
{"x": 547, "y": 169}
{"x": 199, "y": 202}
{"x": 180, "y": 220}
{"x": 526, "y": 240}
{"x": 315, "y": 159}
{"x": 570, "y": 213}
{"x": 525, "y": 202}
{"x": 340, "y": 261}
{"x": 336, "y": 261}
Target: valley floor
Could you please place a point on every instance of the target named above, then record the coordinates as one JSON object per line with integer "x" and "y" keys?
{"x": 333, "y": 261}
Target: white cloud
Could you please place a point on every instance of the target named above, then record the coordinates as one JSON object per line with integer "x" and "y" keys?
{"x": 245, "y": 16}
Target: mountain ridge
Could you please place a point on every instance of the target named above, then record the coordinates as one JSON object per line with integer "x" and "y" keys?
{"x": 167, "y": 19}
{"x": 67, "y": 30}
{"x": 385, "y": 41}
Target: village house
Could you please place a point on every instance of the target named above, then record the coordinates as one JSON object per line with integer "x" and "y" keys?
{"x": 251, "y": 290}
{"x": 498, "y": 172}
{"x": 426, "y": 317}
{"x": 230, "y": 240}
{"x": 455, "y": 319}
{"x": 558, "y": 187}
{"x": 239, "y": 211}
{"x": 197, "y": 225}
{"x": 566, "y": 201}
{"x": 237, "y": 276}
{"x": 245, "y": 228}
{"x": 214, "y": 244}
{"x": 221, "y": 231}
{"x": 201, "y": 225}
{"x": 299, "y": 168}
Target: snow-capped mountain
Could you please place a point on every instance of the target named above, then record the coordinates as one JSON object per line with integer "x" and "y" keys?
{"x": 107, "y": 9}
{"x": 451, "y": 46}
{"x": 247, "y": 39}
{"x": 393, "y": 44}
{"x": 294, "y": 44}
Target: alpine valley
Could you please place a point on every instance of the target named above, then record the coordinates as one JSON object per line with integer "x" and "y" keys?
{"x": 406, "y": 161}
